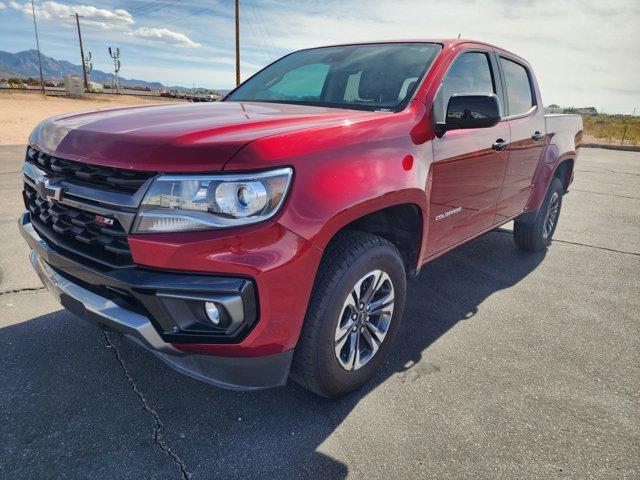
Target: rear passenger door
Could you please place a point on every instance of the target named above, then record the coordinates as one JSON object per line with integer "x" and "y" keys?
{"x": 467, "y": 171}
{"x": 527, "y": 124}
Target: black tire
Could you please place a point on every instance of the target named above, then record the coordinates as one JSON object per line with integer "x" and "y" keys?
{"x": 351, "y": 256}
{"x": 535, "y": 236}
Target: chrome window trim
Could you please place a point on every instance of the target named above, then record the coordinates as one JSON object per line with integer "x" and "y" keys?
{"x": 528, "y": 113}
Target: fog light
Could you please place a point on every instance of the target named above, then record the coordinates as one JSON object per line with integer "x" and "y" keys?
{"x": 213, "y": 314}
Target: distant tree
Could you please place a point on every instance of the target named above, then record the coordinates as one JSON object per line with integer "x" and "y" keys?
{"x": 553, "y": 105}
{"x": 15, "y": 82}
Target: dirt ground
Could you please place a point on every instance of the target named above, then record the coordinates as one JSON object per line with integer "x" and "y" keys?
{"x": 20, "y": 112}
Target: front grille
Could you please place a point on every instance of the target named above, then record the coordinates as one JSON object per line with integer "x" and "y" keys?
{"x": 76, "y": 231}
{"x": 115, "y": 179}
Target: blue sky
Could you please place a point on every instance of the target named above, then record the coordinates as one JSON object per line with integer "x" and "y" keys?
{"x": 585, "y": 53}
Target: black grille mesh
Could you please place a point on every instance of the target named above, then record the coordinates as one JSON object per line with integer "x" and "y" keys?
{"x": 77, "y": 232}
{"x": 116, "y": 179}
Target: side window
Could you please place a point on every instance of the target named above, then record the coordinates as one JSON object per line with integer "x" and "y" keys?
{"x": 470, "y": 74}
{"x": 519, "y": 91}
{"x": 303, "y": 83}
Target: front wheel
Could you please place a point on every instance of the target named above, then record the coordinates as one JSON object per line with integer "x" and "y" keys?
{"x": 354, "y": 312}
{"x": 537, "y": 235}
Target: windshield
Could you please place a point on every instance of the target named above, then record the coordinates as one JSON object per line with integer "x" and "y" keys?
{"x": 365, "y": 77}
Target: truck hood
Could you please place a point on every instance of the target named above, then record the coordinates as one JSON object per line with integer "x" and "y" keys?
{"x": 178, "y": 137}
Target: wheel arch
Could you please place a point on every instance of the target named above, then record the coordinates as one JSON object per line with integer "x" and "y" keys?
{"x": 402, "y": 224}
{"x": 551, "y": 166}
{"x": 564, "y": 172}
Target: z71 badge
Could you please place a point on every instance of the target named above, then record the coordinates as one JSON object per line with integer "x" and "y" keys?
{"x": 106, "y": 221}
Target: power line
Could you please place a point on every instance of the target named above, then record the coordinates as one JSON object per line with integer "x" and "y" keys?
{"x": 35, "y": 27}
{"x": 181, "y": 18}
{"x": 147, "y": 6}
{"x": 153, "y": 8}
{"x": 263, "y": 25}
{"x": 265, "y": 56}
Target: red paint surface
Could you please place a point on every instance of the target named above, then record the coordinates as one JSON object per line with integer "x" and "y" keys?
{"x": 278, "y": 261}
{"x": 346, "y": 164}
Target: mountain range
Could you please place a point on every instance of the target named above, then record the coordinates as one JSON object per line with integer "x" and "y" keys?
{"x": 25, "y": 64}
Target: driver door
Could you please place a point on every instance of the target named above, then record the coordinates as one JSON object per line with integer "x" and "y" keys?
{"x": 468, "y": 170}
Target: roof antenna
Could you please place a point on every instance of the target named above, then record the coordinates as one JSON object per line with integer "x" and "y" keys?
{"x": 459, "y": 35}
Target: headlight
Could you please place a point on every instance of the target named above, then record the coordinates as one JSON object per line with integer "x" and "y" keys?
{"x": 176, "y": 203}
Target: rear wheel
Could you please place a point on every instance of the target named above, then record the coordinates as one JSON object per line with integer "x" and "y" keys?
{"x": 537, "y": 235}
{"x": 353, "y": 315}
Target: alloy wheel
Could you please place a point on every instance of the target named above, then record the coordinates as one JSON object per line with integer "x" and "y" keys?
{"x": 552, "y": 215}
{"x": 364, "y": 320}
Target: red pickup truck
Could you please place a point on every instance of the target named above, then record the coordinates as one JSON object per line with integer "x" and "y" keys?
{"x": 270, "y": 235}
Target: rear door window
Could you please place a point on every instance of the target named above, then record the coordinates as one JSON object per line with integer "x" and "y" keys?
{"x": 519, "y": 89}
{"x": 470, "y": 74}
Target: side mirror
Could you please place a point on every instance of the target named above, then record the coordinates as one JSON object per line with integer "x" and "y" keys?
{"x": 471, "y": 111}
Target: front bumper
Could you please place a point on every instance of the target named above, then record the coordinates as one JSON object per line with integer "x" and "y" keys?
{"x": 64, "y": 278}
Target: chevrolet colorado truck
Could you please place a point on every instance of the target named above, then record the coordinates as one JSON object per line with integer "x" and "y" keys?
{"x": 270, "y": 235}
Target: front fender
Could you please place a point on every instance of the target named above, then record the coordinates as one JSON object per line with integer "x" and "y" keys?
{"x": 344, "y": 172}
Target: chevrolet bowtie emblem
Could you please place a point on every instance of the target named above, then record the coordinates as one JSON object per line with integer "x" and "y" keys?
{"x": 48, "y": 189}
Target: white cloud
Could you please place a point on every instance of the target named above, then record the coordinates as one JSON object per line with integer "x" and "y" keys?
{"x": 164, "y": 34}
{"x": 582, "y": 53}
{"x": 102, "y": 18}
{"x": 2, "y": 6}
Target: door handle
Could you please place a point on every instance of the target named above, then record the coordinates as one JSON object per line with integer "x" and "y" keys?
{"x": 499, "y": 145}
{"x": 536, "y": 136}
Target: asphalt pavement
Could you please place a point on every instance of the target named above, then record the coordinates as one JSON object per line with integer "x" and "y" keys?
{"x": 507, "y": 365}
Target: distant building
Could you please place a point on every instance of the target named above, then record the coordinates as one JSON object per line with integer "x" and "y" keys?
{"x": 553, "y": 108}
{"x": 74, "y": 85}
{"x": 587, "y": 111}
{"x": 591, "y": 111}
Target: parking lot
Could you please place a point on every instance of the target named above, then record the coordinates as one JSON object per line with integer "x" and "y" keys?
{"x": 507, "y": 365}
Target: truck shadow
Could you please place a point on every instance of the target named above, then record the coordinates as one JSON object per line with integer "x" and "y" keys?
{"x": 278, "y": 433}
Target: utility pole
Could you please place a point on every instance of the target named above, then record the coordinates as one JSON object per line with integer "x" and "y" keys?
{"x": 237, "y": 42}
{"x": 84, "y": 68}
{"x": 35, "y": 27}
{"x": 116, "y": 64}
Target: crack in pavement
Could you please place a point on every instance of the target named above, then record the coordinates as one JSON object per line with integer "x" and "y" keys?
{"x": 19, "y": 290}
{"x": 596, "y": 247}
{"x": 509, "y": 232}
{"x": 603, "y": 193}
{"x": 151, "y": 411}
{"x": 606, "y": 170}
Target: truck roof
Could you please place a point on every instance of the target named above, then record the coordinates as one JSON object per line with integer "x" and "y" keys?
{"x": 445, "y": 42}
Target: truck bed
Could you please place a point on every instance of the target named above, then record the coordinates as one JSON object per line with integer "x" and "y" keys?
{"x": 565, "y": 131}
